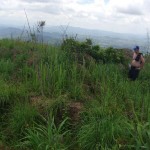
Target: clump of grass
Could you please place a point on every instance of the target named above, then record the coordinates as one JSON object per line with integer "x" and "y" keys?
{"x": 15, "y": 120}
{"x": 101, "y": 128}
{"x": 6, "y": 68}
{"x": 7, "y": 93}
{"x": 22, "y": 117}
{"x": 48, "y": 136}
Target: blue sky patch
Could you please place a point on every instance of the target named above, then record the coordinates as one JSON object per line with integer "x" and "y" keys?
{"x": 85, "y": 1}
{"x": 106, "y": 1}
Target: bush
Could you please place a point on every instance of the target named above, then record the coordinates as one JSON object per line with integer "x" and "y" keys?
{"x": 108, "y": 55}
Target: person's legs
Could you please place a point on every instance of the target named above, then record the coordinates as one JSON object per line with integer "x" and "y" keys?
{"x": 131, "y": 73}
{"x": 135, "y": 73}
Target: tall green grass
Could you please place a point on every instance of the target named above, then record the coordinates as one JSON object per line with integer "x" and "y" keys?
{"x": 37, "y": 79}
{"x": 46, "y": 137}
{"x": 9, "y": 93}
{"x": 101, "y": 128}
{"x": 6, "y": 68}
{"x": 21, "y": 117}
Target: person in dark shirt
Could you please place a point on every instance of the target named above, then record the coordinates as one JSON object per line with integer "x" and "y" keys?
{"x": 136, "y": 64}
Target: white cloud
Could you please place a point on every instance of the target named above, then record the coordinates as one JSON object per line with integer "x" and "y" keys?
{"x": 112, "y": 15}
{"x": 40, "y": 1}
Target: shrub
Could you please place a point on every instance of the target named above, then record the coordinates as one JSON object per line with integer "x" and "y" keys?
{"x": 108, "y": 55}
{"x": 44, "y": 137}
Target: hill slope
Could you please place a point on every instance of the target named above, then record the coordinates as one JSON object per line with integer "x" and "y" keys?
{"x": 49, "y": 95}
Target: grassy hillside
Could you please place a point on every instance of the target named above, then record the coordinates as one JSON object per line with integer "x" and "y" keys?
{"x": 76, "y": 96}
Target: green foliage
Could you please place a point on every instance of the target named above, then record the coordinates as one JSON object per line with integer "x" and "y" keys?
{"x": 21, "y": 117}
{"x": 44, "y": 137}
{"x": 38, "y": 79}
{"x": 6, "y": 68}
{"x": 145, "y": 74}
{"x": 108, "y": 55}
{"x": 101, "y": 128}
{"x": 7, "y": 43}
{"x": 111, "y": 55}
{"x": 8, "y": 93}
{"x": 140, "y": 134}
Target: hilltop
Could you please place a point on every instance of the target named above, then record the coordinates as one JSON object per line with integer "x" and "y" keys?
{"x": 77, "y": 90}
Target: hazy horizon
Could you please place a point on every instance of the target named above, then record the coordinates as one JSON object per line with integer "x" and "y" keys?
{"x": 68, "y": 26}
{"x": 54, "y": 34}
{"x": 108, "y": 15}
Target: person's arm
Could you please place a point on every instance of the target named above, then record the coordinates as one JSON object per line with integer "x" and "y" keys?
{"x": 142, "y": 62}
{"x": 134, "y": 55}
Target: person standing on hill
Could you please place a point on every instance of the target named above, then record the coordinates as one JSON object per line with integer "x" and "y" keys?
{"x": 136, "y": 64}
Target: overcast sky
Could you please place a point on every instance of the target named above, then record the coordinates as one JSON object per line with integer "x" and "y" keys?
{"x": 129, "y": 16}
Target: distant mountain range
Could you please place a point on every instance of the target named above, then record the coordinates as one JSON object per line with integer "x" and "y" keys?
{"x": 54, "y": 35}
